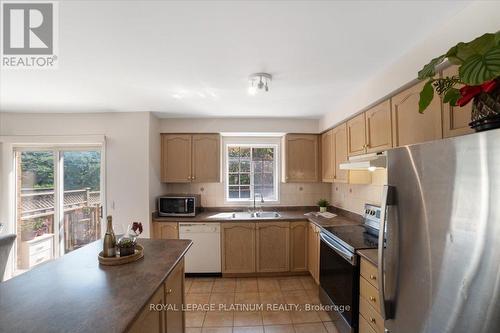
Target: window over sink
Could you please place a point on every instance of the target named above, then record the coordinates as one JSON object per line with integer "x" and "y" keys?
{"x": 251, "y": 169}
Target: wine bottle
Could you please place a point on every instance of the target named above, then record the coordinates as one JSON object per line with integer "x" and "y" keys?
{"x": 109, "y": 245}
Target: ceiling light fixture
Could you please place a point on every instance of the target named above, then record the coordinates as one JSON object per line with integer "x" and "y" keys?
{"x": 259, "y": 81}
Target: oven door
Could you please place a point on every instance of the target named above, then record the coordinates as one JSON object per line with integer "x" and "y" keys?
{"x": 170, "y": 206}
{"x": 339, "y": 278}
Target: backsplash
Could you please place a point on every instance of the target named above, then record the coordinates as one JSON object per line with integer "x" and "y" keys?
{"x": 291, "y": 194}
{"x": 352, "y": 197}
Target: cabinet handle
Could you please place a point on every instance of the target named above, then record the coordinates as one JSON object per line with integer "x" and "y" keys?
{"x": 169, "y": 291}
{"x": 372, "y": 298}
{"x": 373, "y": 320}
{"x": 372, "y": 277}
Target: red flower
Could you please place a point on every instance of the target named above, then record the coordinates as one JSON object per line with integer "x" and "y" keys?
{"x": 137, "y": 226}
{"x": 469, "y": 92}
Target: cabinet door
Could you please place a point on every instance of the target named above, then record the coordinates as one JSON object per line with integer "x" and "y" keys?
{"x": 356, "y": 143}
{"x": 327, "y": 157}
{"x": 456, "y": 119}
{"x": 174, "y": 297}
{"x": 176, "y": 158}
{"x": 313, "y": 251}
{"x": 301, "y": 158}
{"x": 206, "y": 158}
{"x": 408, "y": 125}
{"x": 298, "y": 246}
{"x": 273, "y": 249}
{"x": 340, "y": 143}
{"x": 378, "y": 127}
{"x": 165, "y": 230}
{"x": 238, "y": 247}
{"x": 150, "y": 321}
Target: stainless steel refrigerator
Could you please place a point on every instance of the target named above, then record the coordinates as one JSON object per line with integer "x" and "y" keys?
{"x": 440, "y": 268}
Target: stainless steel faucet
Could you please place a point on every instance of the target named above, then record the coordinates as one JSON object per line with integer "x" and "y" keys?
{"x": 261, "y": 199}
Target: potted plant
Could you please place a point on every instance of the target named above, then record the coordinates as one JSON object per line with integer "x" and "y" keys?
{"x": 478, "y": 80}
{"x": 126, "y": 244}
{"x": 34, "y": 228}
{"x": 323, "y": 204}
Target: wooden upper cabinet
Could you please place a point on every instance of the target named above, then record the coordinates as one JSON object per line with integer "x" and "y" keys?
{"x": 206, "y": 158}
{"x": 298, "y": 246}
{"x": 190, "y": 158}
{"x": 340, "y": 148}
{"x": 238, "y": 247}
{"x": 455, "y": 119}
{"x": 176, "y": 158}
{"x": 356, "y": 141}
{"x": 327, "y": 157}
{"x": 273, "y": 252}
{"x": 301, "y": 158}
{"x": 378, "y": 127}
{"x": 408, "y": 125}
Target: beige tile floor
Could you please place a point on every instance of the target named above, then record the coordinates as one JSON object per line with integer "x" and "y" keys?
{"x": 299, "y": 290}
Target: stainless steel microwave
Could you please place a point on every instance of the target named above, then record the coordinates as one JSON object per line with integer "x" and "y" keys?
{"x": 179, "y": 205}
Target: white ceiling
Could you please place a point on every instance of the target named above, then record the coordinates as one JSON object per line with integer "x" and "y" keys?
{"x": 193, "y": 58}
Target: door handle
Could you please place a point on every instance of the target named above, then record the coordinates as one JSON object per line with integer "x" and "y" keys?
{"x": 388, "y": 200}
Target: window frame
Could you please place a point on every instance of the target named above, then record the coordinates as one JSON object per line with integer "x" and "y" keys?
{"x": 252, "y": 142}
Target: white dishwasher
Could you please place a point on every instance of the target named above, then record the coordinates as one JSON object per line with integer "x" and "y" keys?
{"x": 204, "y": 256}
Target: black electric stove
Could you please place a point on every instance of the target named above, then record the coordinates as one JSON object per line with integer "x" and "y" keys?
{"x": 339, "y": 266}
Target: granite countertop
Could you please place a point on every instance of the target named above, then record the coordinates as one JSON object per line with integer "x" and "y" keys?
{"x": 369, "y": 254}
{"x": 76, "y": 294}
{"x": 286, "y": 215}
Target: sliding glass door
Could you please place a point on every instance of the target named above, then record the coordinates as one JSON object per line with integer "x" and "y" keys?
{"x": 59, "y": 202}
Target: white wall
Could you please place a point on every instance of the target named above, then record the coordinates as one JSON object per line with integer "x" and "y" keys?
{"x": 476, "y": 19}
{"x": 217, "y": 125}
{"x": 128, "y": 182}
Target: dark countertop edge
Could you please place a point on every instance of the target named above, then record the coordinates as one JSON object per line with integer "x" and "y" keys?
{"x": 167, "y": 274}
{"x": 369, "y": 254}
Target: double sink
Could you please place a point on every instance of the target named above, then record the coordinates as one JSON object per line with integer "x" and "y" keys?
{"x": 256, "y": 215}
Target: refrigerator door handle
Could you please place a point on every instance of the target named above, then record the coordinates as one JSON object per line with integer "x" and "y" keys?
{"x": 388, "y": 199}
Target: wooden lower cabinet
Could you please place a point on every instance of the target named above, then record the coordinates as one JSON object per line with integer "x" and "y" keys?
{"x": 273, "y": 251}
{"x": 364, "y": 327}
{"x": 171, "y": 293}
{"x": 165, "y": 230}
{"x": 370, "y": 319}
{"x": 313, "y": 251}
{"x": 174, "y": 297}
{"x": 238, "y": 247}
{"x": 298, "y": 246}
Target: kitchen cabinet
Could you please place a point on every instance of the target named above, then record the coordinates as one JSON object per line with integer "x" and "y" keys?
{"x": 356, "y": 140}
{"x": 327, "y": 157}
{"x": 206, "y": 158}
{"x": 313, "y": 251}
{"x": 408, "y": 125}
{"x": 151, "y": 321}
{"x": 456, "y": 119}
{"x": 378, "y": 127}
{"x": 190, "y": 158}
{"x": 370, "y": 319}
{"x": 165, "y": 230}
{"x": 298, "y": 246}
{"x": 238, "y": 247}
{"x": 273, "y": 252}
{"x": 301, "y": 158}
{"x": 340, "y": 144}
{"x": 174, "y": 297}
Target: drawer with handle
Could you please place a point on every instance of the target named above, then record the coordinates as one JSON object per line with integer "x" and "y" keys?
{"x": 369, "y": 293}
{"x": 40, "y": 257}
{"x": 369, "y": 272}
{"x": 373, "y": 318}
{"x": 364, "y": 327}
{"x": 40, "y": 246}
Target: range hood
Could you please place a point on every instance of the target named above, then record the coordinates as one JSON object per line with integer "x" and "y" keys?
{"x": 370, "y": 162}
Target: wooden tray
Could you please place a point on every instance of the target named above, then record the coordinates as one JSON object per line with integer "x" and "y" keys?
{"x": 113, "y": 261}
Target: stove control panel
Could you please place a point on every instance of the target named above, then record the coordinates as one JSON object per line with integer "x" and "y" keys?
{"x": 372, "y": 216}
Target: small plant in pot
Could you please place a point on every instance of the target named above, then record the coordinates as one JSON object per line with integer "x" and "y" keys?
{"x": 478, "y": 80}
{"x": 323, "y": 205}
{"x": 127, "y": 243}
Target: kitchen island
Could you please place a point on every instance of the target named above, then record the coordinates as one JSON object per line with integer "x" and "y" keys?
{"x": 76, "y": 294}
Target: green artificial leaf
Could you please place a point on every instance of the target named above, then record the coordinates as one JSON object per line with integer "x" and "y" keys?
{"x": 481, "y": 68}
{"x": 429, "y": 70}
{"x": 451, "y": 96}
{"x": 459, "y": 53}
{"x": 426, "y": 96}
